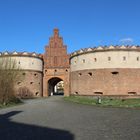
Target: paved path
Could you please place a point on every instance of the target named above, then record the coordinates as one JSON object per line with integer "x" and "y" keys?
{"x": 55, "y": 119}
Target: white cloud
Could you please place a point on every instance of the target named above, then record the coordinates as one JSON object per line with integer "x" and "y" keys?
{"x": 126, "y": 41}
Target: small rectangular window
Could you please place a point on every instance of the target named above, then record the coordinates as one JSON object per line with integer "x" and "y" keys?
{"x": 109, "y": 58}
{"x": 124, "y": 58}
{"x": 83, "y": 61}
{"x": 137, "y": 58}
{"x": 95, "y": 59}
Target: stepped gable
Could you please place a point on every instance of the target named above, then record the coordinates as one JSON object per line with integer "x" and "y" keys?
{"x": 56, "y": 52}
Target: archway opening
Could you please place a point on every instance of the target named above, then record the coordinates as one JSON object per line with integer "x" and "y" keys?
{"x": 55, "y": 86}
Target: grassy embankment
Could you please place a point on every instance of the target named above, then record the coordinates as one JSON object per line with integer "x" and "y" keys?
{"x": 105, "y": 101}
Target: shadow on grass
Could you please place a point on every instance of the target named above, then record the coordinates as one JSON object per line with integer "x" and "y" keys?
{"x": 17, "y": 131}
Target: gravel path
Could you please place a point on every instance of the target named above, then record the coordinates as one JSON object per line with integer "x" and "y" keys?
{"x": 55, "y": 119}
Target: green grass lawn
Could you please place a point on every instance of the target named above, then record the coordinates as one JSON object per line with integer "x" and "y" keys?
{"x": 105, "y": 101}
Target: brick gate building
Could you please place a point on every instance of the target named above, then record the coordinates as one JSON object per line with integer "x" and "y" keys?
{"x": 97, "y": 71}
{"x": 56, "y": 65}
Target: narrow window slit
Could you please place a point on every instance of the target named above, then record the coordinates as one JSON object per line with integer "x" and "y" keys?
{"x": 115, "y": 72}
{"x": 97, "y": 92}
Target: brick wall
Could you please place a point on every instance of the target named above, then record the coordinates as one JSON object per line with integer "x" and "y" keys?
{"x": 30, "y": 84}
{"x": 106, "y": 82}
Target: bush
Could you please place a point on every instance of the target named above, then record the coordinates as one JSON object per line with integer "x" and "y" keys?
{"x": 24, "y": 93}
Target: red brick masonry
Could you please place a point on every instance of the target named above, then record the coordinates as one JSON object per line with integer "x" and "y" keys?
{"x": 106, "y": 82}
{"x": 56, "y": 65}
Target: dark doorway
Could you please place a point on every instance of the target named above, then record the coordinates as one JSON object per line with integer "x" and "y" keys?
{"x": 55, "y": 86}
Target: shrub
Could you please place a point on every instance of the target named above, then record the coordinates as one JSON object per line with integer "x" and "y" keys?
{"x": 24, "y": 93}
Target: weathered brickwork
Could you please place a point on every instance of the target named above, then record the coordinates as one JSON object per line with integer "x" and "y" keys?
{"x": 30, "y": 84}
{"x": 110, "y": 82}
{"x": 30, "y": 67}
{"x": 56, "y": 53}
{"x": 100, "y": 82}
{"x": 56, "y": 65}
{"x": 106, "y": 71}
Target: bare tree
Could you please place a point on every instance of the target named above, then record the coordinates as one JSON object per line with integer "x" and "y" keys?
{"x": 9, "y": 74}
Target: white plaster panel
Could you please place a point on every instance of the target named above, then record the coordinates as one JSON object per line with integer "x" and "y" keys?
{"x": 26, "y": 63}
{"x": 102, "y": 60}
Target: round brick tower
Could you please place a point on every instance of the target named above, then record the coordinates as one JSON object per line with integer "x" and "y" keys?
{"x": 106, "y": 71}
{"x": 31, "y": 67}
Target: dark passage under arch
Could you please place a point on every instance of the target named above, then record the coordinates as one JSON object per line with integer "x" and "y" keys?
{"x": 55, "y": 86}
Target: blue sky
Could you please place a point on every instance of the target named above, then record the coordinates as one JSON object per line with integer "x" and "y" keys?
{"x": 26, "y": 25}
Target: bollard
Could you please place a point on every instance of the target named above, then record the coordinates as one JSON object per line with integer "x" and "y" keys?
{"x": 99, "y": 101}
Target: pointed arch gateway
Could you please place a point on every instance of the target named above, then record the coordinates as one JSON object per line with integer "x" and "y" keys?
{"x": 51, "y": 87}
{"x": 55, "y": 86}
